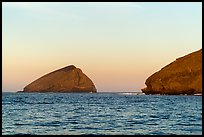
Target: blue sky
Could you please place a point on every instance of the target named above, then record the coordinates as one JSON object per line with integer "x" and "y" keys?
{"x": 118, "y": 45}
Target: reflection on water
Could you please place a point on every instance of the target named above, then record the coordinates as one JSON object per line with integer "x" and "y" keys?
{"x": 100, "y": 114}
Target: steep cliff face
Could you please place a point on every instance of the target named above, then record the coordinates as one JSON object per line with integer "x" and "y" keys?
{"x": 183, "y": 76}
{"x": 67, "y": 79}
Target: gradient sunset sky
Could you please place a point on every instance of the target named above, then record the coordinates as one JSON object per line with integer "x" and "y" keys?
{"x": 117, "y": 45}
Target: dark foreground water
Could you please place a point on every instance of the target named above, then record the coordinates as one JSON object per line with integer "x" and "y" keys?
{"x": 100, "y": 114}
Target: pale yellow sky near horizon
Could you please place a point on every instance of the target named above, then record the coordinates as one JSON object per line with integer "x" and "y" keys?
{"x": 117, "y": 45}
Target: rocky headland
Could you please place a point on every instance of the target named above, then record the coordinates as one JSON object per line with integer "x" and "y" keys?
{"x": 67, "y": 79}
{"x": 183, "y": 76}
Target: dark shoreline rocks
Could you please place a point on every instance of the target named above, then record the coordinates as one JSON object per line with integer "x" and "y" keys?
{"x": 183, "y": 76}
{"x": 65, "y": 80}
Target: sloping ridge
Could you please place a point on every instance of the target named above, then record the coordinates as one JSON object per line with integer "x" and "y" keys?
{"x": 183, "y": 76}
{"x": 67, "y": 79}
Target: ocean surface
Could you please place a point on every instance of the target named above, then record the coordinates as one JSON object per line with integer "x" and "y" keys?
{"x": 100, "y": 114}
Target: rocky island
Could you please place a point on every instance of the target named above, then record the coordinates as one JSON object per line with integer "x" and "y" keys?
{"x": 183, "y": 76}
{"x": 67, "y": 79}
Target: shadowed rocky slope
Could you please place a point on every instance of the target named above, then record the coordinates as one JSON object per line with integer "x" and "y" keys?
{"x": 67, "y": 79}
{"x": 183, "y": 76}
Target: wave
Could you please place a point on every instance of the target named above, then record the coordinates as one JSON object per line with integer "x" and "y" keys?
{"x": 132, "y": 93}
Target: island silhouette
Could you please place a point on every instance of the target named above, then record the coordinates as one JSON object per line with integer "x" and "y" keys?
{"x": 182, "y": 76}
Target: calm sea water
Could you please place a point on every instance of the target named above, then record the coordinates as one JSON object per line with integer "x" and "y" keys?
{"x": 100, "y": 114}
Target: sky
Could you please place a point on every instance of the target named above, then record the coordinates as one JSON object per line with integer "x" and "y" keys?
{"x": 118, "y": 45}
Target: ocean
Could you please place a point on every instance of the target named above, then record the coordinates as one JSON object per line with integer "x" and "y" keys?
{"x": 100, "y": 114}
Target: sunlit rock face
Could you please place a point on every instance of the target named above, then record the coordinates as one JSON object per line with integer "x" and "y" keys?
{"x": 183, "y": 76}
{"x": 67, "y": 79}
